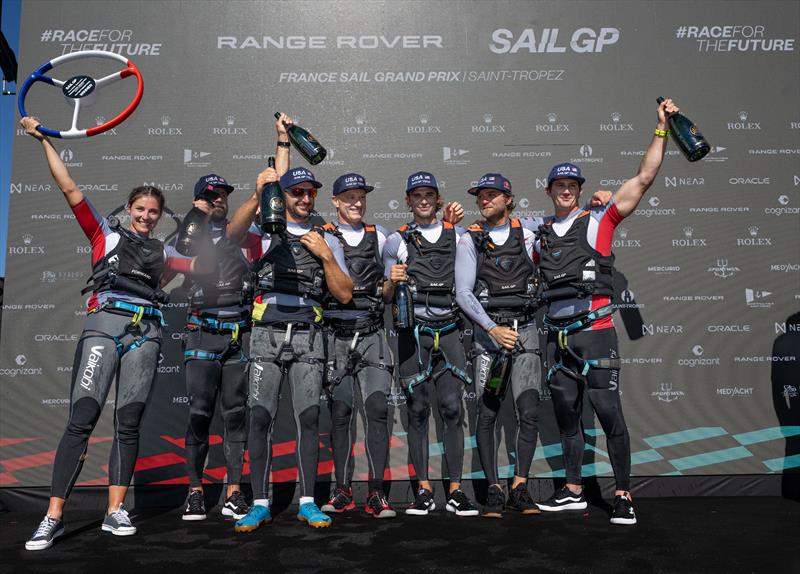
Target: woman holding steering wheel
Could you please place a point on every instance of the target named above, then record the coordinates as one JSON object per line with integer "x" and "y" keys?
{"x": 121, "y": 341}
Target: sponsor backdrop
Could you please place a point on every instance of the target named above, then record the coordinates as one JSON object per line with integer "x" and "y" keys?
{"x": 709, "y": 266}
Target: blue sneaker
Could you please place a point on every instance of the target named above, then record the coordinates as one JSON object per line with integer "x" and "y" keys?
{"x": 257, "y": 516}
{"x": 313, "y": 516}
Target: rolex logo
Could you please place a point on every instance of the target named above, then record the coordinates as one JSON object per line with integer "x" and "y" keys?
{"x": 230, "y": 120}
{"x": 743, "y": 115}
{"x": 361, "y": 118}
{"x": 165, "y": 120}
{"x": 753, "y": 231}
{"x": 99, "y": 120}
{"x": 551, "y": 117}
{"x": 423, "y": 119}
{"x": 487, "y": 118}
{"x": 331, "y": 153}
{"x": 623, "y": 233}
{"x": 688, "y": 231}
{"x": 615, "y": 117}
{"x": 27, "y": 239}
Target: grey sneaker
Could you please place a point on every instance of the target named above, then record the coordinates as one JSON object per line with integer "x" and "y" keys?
{"x": 49, "y": 529}
{"x": 118, "y": 523}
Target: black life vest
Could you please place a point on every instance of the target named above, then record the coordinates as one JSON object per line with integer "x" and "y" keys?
{"x": 506, "y": 276}
{"x": 288, "y": 267}
{"x": 134, "y": 258}
{"x": 431, "y": 266}
{"x": 569, "y": 267}
{"x": 366, "y": 270}
{"x": 223, "y": 287}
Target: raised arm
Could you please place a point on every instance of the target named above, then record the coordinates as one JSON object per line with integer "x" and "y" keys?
{"x": 630, "y": 194}
{"x": 60, "y": 173}
{"x": 243, "y": 217}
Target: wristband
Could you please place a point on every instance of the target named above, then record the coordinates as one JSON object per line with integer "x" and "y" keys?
{"x": 661, "y": 133}
{"x": 284, "y": 144}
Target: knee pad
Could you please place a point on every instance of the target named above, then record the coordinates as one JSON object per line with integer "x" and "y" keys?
{"x": 528, "y": 406}
{"x": 234, "y": 421}
{"x": 376, "y": 407}
{"x": 197, "y": 433}
{"x": 450, "y": 412}
{"x": 84, "y": 416}
{"x": 309, "y": 418}
{"x": 341, "y": 413}
{"x": 260, "y": 419}
{"x": 128, "y": 418}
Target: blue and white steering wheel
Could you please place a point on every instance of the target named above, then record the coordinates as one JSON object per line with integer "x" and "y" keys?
{"x": 82, "y": 90}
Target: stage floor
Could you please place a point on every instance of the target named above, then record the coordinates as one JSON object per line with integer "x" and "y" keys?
{"x": 726, "y": 535}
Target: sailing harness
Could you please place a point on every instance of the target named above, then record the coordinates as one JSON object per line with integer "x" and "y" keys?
{"x": 572, "y": 325}
{"x": 218, "y": 326}
{"x": 434, "y": 330}
{"x": 355, "y": 360}
{"x": 137, "y": 313}
{"x": 286, "y": 354}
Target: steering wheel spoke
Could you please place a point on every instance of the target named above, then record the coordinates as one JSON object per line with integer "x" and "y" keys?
{"x": 75, "y": 113}
{"x": 112, "y": 78}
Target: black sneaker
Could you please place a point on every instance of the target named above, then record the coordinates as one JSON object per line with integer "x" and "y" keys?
{"x": 195, "y": 506}
{"x": 495, "y": 502}
{"x": 458, "y": 502}
{"x": 49, "y": 529}
{"x": 422, "y": 504}
{"x": 341, "y": 500}
{"x": 623, "y": 511}
{"x": 235, "y": 506}
{"x": 519, "y": 499}
{"x": 563, "y": 499}
{"x": 378, "y": 506}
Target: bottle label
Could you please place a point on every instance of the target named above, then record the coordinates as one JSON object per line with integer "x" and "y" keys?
{"x": 276, "y": 204}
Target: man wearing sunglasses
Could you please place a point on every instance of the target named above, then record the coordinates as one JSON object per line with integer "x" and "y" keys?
{"x": 295, "y": 272}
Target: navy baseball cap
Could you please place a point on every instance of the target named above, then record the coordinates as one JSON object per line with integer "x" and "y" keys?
{"x": 211, "y": 181}
{"x": 350, "y": 181}
{"x": 565, "y": 171}
{"x": 421, "y": 179}
{"x": 491, "y": 181}
{"x": 298, "y": 175}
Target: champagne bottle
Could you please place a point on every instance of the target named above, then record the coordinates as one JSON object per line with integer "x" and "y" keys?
{"x": 689, "y": 139}
{"x": 273, "y": 209}
{"x": 403, "y": 307}
{"x": 500, "y": 372}
{"x": 305, "y": 143}
{"x": 193, "y": 229}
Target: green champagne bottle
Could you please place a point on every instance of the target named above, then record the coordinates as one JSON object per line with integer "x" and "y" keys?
{"x": 273, "y": 209}
{"x": 403, "y": 307}
{"x": 305, "y": 143}
{"x": 500, "y": 371}
{"x": 689, "y": 139}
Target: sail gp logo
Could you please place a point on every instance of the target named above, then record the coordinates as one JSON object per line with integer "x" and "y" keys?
{"x": 546, "y": 40}
{"x": 92, "y": 364}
